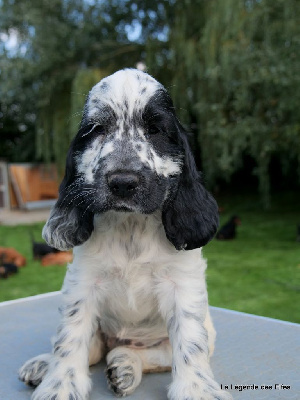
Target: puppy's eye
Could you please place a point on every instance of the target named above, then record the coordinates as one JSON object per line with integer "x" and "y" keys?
{"x": 94, "y": 129}
{"x": 99, "y": 129}
{"x": 153, "y": 130}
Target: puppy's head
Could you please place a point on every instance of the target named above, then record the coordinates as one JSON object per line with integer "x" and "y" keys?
{"x": 131, "y": 154}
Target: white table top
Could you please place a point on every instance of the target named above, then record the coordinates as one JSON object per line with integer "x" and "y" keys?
{"x": 250, "y": 350}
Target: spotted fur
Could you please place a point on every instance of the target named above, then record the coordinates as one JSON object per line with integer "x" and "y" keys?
{"x": 133, "y": 207}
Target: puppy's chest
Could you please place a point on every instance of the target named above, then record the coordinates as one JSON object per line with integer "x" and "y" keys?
{"x": 122, "y": 260}
{"x": 125, "y": 265}
{"x": 130, "y": 304}
{"x": 130, "y": 286}
{"x": 130, "y": 300}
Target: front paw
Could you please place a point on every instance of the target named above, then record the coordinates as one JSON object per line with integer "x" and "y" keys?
{"x": 34, "y": 370}
{"x": 196, "y": 390}
{"x": 63, "y": 386}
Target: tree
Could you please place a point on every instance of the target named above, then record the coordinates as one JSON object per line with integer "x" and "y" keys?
{"x": 235, "y": 69}
{"x": 231, "y": 67}
{"x": 62, "y": 48}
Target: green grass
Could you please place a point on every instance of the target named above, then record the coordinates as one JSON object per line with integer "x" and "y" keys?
{"x": 33, "y": 278}
{"x": 258, "y": 272}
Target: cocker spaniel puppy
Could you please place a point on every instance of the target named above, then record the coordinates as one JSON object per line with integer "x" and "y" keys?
{"x": 133, "y": 207}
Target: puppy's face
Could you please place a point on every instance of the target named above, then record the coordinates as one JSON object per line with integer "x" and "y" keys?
{"x": 127, "y": 154}
{"x": 131, "y": 154}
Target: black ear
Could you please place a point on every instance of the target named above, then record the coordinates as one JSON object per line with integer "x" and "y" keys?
{"x": 68, "y": 225}
{"x": 190, "y": 217}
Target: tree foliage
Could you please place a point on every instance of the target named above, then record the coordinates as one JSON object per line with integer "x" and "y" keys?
{"x": 63, "y": 47}
{"x": 236, "y": 69}
{"x": 232, "y": 67}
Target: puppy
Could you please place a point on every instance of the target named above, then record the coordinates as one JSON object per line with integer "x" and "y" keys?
{"x": 133, "y": 207}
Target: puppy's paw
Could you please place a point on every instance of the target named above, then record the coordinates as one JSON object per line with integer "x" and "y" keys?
{"x": 124, "y": 371}
{"x": 121, "y": 379}
{"x": 196, "y": 390}
{"x": 63, "y": 384}
{"x": 34, "y": 370}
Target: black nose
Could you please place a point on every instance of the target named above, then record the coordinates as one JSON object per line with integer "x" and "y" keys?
{"x": 123, "y": 184}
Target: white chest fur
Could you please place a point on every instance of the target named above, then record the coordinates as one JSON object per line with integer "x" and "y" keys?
{"x": 120, "y": 265}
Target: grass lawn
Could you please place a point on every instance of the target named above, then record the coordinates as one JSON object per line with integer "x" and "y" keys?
{"x": 258, "y": 272}
{"x": 33, "y": 278}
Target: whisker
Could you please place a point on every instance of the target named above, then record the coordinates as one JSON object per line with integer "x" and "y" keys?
{"x": 89, "y": 206}
{"x": 83, "y": 192}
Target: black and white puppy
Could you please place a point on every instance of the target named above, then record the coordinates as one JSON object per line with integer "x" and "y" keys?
{"x": 133, "y": 207}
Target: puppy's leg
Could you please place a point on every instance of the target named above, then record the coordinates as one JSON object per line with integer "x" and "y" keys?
{"x": 34, "y": 370}
{"x": 182, "y": 298}
{"x": 211, "y": 333}
{"x": 157, "y": 358}
{"x": 97, "y": 348}
{"x": 66, "y": 376}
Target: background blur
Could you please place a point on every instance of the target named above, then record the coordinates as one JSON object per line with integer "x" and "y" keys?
{"x": 232, "y": 68}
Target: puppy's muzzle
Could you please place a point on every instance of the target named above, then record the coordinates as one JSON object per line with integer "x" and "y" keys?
{"x": 123, "y": 184}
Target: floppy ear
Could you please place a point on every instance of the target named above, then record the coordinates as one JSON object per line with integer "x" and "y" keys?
{"x": 68, "y": 225}
{"x": 190, "y": 217}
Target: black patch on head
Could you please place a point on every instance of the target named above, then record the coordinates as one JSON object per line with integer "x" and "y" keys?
{"x": 105, "y": 116}
{"x": 160, "y": 126}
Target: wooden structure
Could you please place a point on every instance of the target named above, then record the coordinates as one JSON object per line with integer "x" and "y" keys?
{"x": 29, "y": 186}
{"x": 4, "y": 186}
